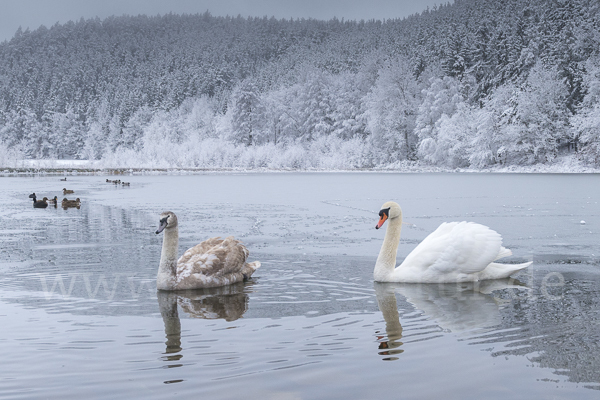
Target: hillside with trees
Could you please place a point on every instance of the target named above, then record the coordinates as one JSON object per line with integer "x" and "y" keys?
{"x": 474, "y": 83}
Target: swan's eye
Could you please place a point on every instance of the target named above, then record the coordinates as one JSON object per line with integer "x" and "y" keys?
{"x": 164, "y": 220}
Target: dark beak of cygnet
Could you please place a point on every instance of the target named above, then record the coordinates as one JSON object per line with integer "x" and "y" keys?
{"x": 162, "y": 226}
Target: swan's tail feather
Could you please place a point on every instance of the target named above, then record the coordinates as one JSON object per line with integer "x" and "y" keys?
{"x": 254, "y": 265}
{"x": 249, "y": 269}
{"x": 504, "y": 252}
{"x": 499, "y": 271}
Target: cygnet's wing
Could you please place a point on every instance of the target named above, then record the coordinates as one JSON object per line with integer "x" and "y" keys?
{"x": 213, "y": 257}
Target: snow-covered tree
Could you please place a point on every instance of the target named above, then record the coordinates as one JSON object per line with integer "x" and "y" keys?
{"x": 538, "y": 122}
{"x": 586, "y": 123}
{"x": 391, "y": 111}
{"x": 246, "y": 109}
{"x": 440, "y": 102}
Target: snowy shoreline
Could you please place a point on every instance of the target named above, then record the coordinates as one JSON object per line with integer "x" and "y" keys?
{"x": 566, "y": 165}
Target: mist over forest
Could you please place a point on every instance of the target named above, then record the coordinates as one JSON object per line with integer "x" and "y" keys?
{"x": 470, "y": 84}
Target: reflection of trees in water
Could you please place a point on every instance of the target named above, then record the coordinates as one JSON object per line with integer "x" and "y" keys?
{"x": 78, "y": 240}
{"x": 227, "y": 302}
{"x": 94, "y": 253}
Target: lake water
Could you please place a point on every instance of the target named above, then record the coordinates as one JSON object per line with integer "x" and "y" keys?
{"x": 81, "y": 317}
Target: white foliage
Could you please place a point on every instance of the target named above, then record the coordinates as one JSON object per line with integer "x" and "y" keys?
{"x": 586, "y": 124}
{"x": 440, "y": 102}
{"x": 539, "y": 117}
{"x": 10, "y": 156}
{"x": 390, "y": 112}
{"x": 484, "y": 144}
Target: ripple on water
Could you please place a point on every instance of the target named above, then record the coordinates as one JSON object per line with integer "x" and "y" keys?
{"x": 81, "y": 293}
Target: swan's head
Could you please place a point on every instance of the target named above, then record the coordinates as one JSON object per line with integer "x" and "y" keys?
{"x": 388, "y": 210}
{"x": 168, "y": 219}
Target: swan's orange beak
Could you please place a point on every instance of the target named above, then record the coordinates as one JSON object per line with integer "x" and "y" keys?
{"x": 382, "y": 219}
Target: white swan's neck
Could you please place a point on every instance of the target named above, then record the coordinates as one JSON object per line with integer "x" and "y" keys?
{"x": 386, "y": 261}
{"x": 168, "y": 259}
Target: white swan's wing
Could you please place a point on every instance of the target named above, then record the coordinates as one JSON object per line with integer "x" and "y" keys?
{"x": 455, "y": 248}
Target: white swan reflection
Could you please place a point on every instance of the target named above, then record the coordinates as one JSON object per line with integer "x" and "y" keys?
{"x": 386, "y": 300}
{"x": 454, "y": 307}
{"x": 227, "y": 302}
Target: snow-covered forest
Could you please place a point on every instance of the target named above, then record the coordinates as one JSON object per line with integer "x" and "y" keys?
{"x": 475, "y": 83}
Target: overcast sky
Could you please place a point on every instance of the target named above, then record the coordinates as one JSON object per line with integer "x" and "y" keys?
{"x": 33, "y": 13}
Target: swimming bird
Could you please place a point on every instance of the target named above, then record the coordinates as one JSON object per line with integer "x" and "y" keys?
{"x": 125, "y": 183}
{"x": 63, "y": 179}
{"x": 65, "y": 191}
{"x": 66, "y": 203}
{"x": 214, "y": 262}
{"x": 454, "y": 252}
{"x": 38, "y": 203}
{"x": 51, "y": 201}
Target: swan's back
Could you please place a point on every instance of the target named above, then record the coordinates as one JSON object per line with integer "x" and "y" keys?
{"x": 216, "y": 257}
{"x": 452, "y": 251}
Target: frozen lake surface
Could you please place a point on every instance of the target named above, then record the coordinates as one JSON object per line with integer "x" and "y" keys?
{"x": 81, "y": 317}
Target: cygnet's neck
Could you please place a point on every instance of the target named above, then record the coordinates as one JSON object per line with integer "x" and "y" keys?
{"x": 168, "y": 259}
{"x": 386, "y": 261}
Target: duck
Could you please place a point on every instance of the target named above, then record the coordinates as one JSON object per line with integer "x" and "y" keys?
{"x": 64, "y": 179}
{"x": 66, "y": 203}
{"x": 108, "y": 180}
{"x": 53, "y": 201}
{"x": 38, "y": 203}
{"x": 50, "y": 201}
{"x": 125, "y": 183}
{"x": 65, "y": 191}
{"x": 212, "y": 263}
{"x": 454, "y": 252}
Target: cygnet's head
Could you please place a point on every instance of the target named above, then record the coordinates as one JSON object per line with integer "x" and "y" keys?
{"x": 388, "y": 210}
{"x": 168, "y": 220}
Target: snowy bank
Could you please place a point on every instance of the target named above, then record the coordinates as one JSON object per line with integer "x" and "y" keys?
{"x": 562, "y": 165}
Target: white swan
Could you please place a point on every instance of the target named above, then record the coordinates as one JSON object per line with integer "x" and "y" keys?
{"x": 454, "y": 252}
{"x": 214, "y": 262}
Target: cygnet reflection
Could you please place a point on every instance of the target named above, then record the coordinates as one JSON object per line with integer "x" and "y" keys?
{"x": 227, "y": 302}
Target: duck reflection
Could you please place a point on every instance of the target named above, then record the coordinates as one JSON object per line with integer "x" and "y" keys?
{"x": 455, "y": 307}
{"x": 227, "y": 302}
